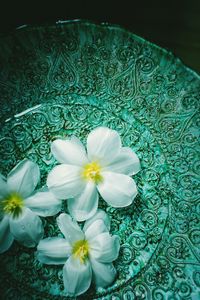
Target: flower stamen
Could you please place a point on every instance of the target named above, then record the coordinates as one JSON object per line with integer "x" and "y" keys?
{"x": 80, "y": 250}
{"x": 13, "y": 205}
{"x": 92, "y": 171}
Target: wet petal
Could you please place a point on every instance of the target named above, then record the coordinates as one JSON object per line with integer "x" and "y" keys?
{"x": 100, "y": 214}
{"x": 95, "y": 229}
{"x": 27, "y": 229}
{"x": 6, "y": 238}
{"x": 118, "y": 190}
{"x": 69, "y": 228}
{"x": 69, "y": 152}
{"x": 24, "y": 178}
{"x": 104, "y": 247}
{"x": 85, "y": 205}
{"x": 44, "y": 204}
{"x": 65, "y": 181}
{"x": 104, "y": 274}
{"x": 76, "y": 276}
{"x": 103, "y": 144}
{"x": 53, "y": 251}
{"x": 127, "y": 162}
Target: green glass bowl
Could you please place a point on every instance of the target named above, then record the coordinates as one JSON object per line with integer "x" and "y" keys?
{"x": 68, "y": 78}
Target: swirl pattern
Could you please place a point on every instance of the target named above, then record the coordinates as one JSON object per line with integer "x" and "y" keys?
{"x": 64, "y": 80}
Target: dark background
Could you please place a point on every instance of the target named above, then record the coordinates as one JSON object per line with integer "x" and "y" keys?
{"x": 174, "y": 25}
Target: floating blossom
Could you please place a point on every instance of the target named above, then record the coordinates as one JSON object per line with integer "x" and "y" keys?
{"x": 106, "y": 168}
{"x": 20, "y": 207}
{"x": 84, "y": 253}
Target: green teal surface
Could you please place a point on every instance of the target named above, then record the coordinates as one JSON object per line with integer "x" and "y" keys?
{"x": 66, "y": 79}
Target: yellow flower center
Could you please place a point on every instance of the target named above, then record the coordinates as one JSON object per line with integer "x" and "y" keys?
{"x": 80, "y": 250}
{"x": 92, "y": 171}
{"x": 12, "y": 204}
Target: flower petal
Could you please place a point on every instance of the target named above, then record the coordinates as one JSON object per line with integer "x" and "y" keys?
{"x": 24, "y": 177}
{"x": 104, "y": 274}
{"x": 85, "y": 205}
{"x": 65, "y": 181}
{"x": 127, "y": 162}
{"x": 100, "y": 214}
{"x": 44, "y": 204}
{"x": 69, "y": 152}
{"x": 4, "y": 189}
{"x": 95, "y": 229}
{"x": 76, "y": 276}
{"x": 69, "y": 228}
{"x": 104, "y": 247}
{"x": 118, "y": 190}
{"x": 6, "y": 238}
{"x": 53, "y": 251}
{"x": 103, "y": 144}
{"x": 27, "y": 229}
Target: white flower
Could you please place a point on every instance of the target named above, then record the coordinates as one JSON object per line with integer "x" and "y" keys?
{"x": 20, "y": 208}
{"x": 106, "y": 167}
{"x": 84, "y": 253}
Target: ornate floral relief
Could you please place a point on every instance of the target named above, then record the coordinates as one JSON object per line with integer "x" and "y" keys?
{"x": 78, "y": 76}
